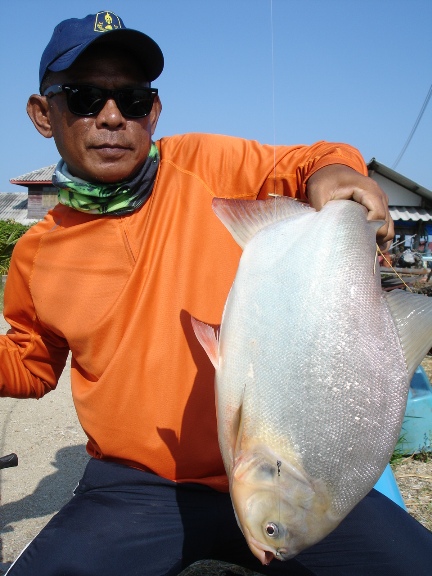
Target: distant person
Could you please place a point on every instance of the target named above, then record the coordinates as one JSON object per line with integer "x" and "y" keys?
{"x": 113, "y": 274}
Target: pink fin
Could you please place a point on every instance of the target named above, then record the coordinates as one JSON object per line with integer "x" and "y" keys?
{"x": 208, "y": 339}
{"x": 244, "y": 218}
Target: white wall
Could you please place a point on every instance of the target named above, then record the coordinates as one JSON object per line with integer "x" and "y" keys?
{"x": 398, "y": 195}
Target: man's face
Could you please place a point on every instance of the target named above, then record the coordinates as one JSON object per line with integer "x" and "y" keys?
{"x": 107, "y": 147}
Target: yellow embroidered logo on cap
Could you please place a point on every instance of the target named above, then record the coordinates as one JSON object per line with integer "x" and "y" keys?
{"x": 106, "y": 21}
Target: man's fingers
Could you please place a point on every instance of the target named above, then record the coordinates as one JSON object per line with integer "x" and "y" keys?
{"x": 338, "y": 182}
{"x": 377, "y": 207}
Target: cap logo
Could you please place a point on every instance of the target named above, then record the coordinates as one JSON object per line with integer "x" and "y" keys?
{"x": 106, "y": 21}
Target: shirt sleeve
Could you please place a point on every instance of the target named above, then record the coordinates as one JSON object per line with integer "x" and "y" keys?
{"x": 232, "y": 167}
{"x": 31, "y": 357}
{"x": 297, "y": 165}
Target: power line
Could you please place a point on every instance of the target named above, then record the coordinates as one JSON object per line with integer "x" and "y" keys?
{"x": 416, "y": 123}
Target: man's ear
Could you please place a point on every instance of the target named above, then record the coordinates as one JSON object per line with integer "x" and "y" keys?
{"x": 38, "y": 110}
{"x": 155, "y": 113}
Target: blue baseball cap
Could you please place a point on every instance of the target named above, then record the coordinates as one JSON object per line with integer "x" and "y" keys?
{"x": 71, "y": 37}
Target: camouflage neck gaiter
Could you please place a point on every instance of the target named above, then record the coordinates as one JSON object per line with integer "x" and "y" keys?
{"x": 112, "y": 199}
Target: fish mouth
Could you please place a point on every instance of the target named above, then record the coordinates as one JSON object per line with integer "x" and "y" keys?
{"x": 283, "y": 554}
{"x": 264, "y": 554}
{"x": 268, "y": 557}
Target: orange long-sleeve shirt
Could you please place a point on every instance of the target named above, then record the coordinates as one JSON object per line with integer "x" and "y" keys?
{"x": 119, "y": 292}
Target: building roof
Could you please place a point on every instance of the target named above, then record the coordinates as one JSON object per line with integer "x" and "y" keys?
{"x": 375, "y": 166}
{"x": 39, "y": 176}
{"x": 410, "y": 213}
{"x": 13, "y": 206}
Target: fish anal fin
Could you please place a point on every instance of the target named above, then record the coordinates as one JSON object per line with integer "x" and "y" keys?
{"x": 208, "y": 339}
{"x": 244, "y": 218}
{"x": 412, "y": 315}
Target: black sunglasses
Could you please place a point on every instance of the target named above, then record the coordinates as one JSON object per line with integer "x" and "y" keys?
{"x": 86, "y": 100}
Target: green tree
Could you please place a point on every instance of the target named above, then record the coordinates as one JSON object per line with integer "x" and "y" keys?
{"x": 10, "y": 232}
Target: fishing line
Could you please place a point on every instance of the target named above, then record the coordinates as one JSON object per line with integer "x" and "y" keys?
{"x": 273, "y": 105}
{"x": 273, "y": 96}
{"x": 278, "y": 462}
{"x": 391, "y": 266}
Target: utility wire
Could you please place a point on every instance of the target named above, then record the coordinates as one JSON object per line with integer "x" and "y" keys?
{"x": 416, "y": 123}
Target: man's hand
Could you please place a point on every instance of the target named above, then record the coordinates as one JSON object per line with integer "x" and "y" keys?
{"x": 339, "y": 182}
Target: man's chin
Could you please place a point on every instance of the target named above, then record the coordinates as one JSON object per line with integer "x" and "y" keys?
{"x": 109, "y": 170}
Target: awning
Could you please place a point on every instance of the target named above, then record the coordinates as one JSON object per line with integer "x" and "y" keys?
{"x": 410, "y": 213}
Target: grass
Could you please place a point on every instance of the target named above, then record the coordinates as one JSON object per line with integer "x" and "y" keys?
{"x": 423, "y": 456}
{"x": 399, "y": 454}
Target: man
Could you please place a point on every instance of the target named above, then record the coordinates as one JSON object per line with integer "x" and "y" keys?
{"x": 113, "y": 274}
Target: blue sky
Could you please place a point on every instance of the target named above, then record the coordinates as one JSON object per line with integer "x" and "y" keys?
{"x": 286, "y": 71}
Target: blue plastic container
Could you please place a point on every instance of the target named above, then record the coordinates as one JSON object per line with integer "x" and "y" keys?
{"x": 416, "y": 433}
{"x": 387, "y": 485}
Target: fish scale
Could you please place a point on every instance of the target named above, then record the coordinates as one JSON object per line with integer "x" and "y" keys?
{"x": 313, "y": 366}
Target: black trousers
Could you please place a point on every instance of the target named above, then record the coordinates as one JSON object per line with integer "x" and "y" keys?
{"x": 124, "y": 521}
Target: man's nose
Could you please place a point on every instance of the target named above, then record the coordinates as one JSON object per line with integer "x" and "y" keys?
{"x": 110, "y": 116}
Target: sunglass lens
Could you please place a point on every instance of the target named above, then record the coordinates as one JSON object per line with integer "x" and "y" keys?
{"x": 86, "y": 100}
{"x": 89, "y": 100}
{"x": 135, "y": 103}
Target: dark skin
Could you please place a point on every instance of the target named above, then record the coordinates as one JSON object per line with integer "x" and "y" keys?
{"x": 110, "y": 148}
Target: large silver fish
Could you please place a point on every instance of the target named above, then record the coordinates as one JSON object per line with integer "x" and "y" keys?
{"x": 313, "y": 364}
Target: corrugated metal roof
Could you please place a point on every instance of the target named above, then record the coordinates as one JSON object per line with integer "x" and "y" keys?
{"x": 410, "y": 213}
{"x": 39, "y": 176}
{"x": 13, "y": 206}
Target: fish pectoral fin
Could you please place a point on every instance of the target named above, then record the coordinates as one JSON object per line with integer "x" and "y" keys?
{"x": 244, "y": 218}
{"x": 412, "y": 315}
{"x": 229, "y": 439}
{"x": 208, "y": 339}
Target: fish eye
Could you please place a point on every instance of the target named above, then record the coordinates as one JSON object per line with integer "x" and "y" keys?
{"x": 272, "y": 530}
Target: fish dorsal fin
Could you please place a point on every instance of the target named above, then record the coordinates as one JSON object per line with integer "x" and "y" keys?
{"x": 412, "y": 315}
{"x": 244, "y": 218}
{"x": 208, "y": 339}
